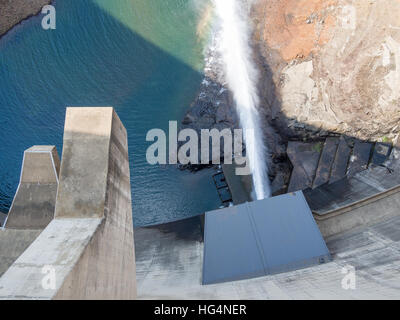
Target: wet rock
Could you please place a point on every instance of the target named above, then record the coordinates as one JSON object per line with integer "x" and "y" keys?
{"x": 214, "y": 108}
{"x": 278, "y": 185}
{"x": 360, "y": 157}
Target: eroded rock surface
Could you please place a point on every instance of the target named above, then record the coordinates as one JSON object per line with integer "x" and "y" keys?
{"x": 334, "y": 65}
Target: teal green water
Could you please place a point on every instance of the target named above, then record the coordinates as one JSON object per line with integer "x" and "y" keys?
{"x": 142, "y": 57}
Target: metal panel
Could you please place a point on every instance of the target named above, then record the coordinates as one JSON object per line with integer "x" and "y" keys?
{"x": 260, "y": 238}
{"x": 230, "y": 247}
{"x": 289, "y": 237}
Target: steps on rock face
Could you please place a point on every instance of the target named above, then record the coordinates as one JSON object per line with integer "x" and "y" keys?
{"x": 359, "y": 160}
{"x": 316, "y": 164}
{"x": 326, "y": 161}
{"x": 304, "y": 157}
{"x": 339, "y": 166}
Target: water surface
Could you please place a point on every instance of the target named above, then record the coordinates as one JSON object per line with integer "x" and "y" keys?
{"x": 140, "y": 56}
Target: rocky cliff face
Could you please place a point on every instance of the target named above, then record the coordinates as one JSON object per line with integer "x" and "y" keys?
{"x": 330, "y": 66}
{"x": 14, "y": 11}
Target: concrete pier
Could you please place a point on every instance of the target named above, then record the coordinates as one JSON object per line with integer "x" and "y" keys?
{"x": 33, "y": 206}
{"x": 87, "y": 251}
{"x": 35, "y": 199}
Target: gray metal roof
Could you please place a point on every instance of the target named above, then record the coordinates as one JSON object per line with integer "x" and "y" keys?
{"x": 259, "y": 238}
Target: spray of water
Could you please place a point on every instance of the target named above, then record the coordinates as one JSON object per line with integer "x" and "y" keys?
{"x": 241, "y": 76}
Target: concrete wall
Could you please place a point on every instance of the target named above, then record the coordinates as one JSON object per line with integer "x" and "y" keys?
{"x": 88, "y": 247}
{"x": 98, "y": 186}
{"x": 34, "y": 202}
{"x": 368, "y": 213}
{"x": 169, "y": 266}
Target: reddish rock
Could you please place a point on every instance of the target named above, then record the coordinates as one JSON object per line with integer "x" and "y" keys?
{"x": 333, "y": 65}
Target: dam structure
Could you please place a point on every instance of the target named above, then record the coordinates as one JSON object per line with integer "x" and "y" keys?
{"x": 70, "y": 235}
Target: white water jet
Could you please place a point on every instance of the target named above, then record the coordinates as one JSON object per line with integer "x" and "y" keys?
{"x": 241, "y": 76}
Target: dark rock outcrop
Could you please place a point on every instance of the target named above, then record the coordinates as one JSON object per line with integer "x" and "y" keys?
{"x": 13, "y": 12}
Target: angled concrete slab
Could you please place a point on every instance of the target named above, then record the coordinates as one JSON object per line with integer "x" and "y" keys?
{"x": 34, "y": 202}
{"x": 304, "y": 158}
{"x": 339, "y": 166}
{"x": 326, "y": 161}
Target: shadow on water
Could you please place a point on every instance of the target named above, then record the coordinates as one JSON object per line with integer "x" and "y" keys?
{"x": 92, "y": 59}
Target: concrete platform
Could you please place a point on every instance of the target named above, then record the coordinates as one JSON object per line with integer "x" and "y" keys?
{"x": 339, "y": 166}
{"x": 169, "y": 266}
{"x": 33, "y": 205}
{"x": 326, "y": 162}
{"x": 305, "y": 158}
